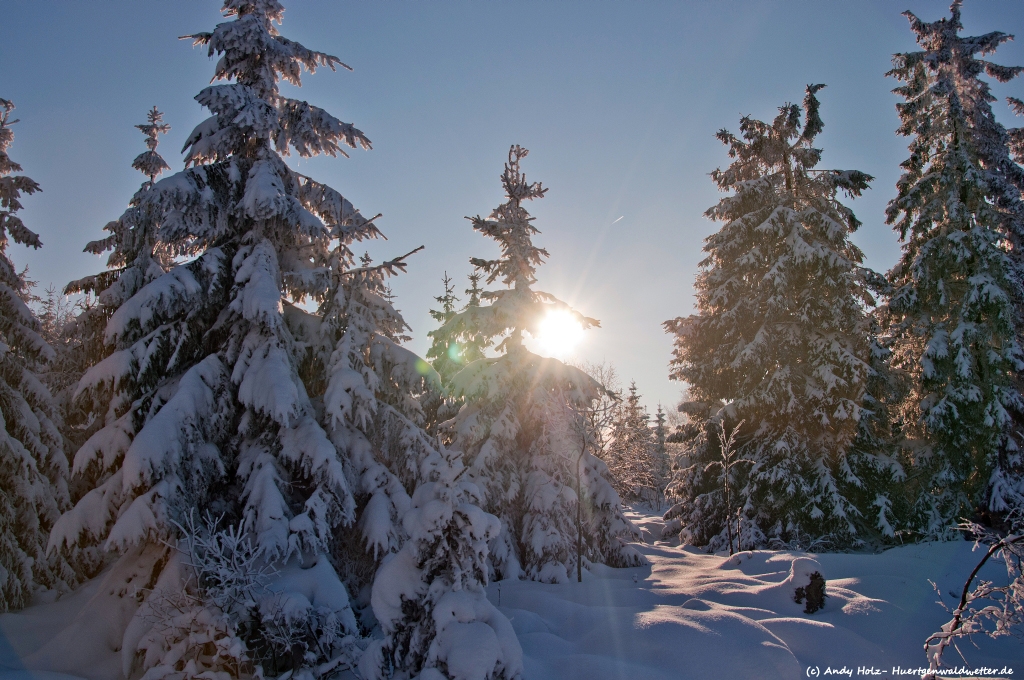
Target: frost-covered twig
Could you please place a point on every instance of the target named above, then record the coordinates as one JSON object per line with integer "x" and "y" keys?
{"x": 727, "y": 445}
{"x": 1005, "y": 608}
{"x": 230, "y": 571}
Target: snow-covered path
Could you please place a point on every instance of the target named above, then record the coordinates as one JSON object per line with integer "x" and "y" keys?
{"x": 691, "y": 615}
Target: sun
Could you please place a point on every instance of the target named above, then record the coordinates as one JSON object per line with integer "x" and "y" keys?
{"x": 558, "y": 333}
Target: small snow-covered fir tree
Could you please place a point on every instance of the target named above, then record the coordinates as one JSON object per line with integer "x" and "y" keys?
{"x": 473, "y": 346}
{"x": 419, "y": 536}
{"x": 779, "y": 340}
{"x": 632, "y": 452}
{"x": 662, "y": 463}
{"x": 445, "y": 356}
{"x": 56, "y": 313}
{"x": 429, "y": 597}
{"x": 33, "y": 467}
{"x": 513, "y": 431}
{"x": 198, "y": 401}
{"x": 954, "y": 310}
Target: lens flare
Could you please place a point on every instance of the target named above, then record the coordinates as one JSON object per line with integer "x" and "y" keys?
{"x": 558, "y": 334}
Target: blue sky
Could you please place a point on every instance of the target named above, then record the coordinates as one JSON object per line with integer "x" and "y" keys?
{"x": 618, "y": 103}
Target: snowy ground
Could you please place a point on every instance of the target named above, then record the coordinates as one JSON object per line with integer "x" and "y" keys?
{"x": 688, "y": 615}
{"x": 691, "y": 615}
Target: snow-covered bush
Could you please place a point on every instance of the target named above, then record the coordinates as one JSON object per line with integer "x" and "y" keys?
{"x": 193, "y": 623}
{"x": 33, "y": 467}
{"x": 221, "y": 610}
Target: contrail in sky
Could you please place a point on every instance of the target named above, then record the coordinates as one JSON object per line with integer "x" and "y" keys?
{"x": 590, "y": 260}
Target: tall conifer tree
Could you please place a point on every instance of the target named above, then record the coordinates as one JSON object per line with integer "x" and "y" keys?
{"x": 515, "y": 431}
{"x": 780, "y": 339}
{"x": 198, "y": 400}
{"x": 33, "y": 467}
{"x": 955, "y": 308}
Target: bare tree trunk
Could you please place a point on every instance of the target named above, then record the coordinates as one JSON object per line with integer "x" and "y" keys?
{"x": 579, "y": 517}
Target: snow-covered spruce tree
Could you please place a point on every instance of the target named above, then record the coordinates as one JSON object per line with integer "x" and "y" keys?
{"x": 950, "y": 67}
{"x": 780, "y": 339}
{"x": 474, "y": 346}
{"x": 33, "y": 467}
{"x": 444, "y": 355}
{"x": 425, "y": 555}
{"x": 429, "y": 597}
{"x": 372, "y": 391}
{"x": 137, "y": 257}
{"x": 514, "y": 431}
{"x": 875, "y": 456}
{"x": 56, "y": 311}
{"x": 953, "y": 311}
{"x": 663, "y": 466}
{"x": 199, "y": 402}
{"x": 631, "y": 453}
{"x": 449, "y": 357}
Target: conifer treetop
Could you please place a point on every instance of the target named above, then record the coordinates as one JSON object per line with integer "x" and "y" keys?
{"x": 150, "y": 163}
{"x": 519, "y": 307}
{"x": 447, "y": 301}
{"x": 948, "y": 69}
{"x": 943, "y": 44}
{"x": 250, "y": 113}
{"x": 11, "y": 190}
{"x": 511, "y": 226}
{"x": 779, "y": 157}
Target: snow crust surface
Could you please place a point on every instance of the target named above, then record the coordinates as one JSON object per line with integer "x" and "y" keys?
{"x": 685, "y": 615}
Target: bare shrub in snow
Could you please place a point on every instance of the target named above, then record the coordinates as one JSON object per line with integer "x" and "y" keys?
{"x": 231, "y": 613}
{"x": 197, "y": 626}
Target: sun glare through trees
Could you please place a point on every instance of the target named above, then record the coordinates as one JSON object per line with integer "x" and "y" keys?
{"x": 249, "y": 445}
